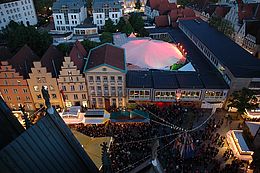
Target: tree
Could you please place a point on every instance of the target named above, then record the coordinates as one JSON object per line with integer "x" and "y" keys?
{"x": 136, "y": 21}
{"x": 242, "y": 100}
{"x": 42, "y": 6}
{"x": 109, "y": 26}
{"x": 64, "y": 48}
{"x": 17, "y": 35}
{"x": 138, "y": 5}
{"x": 106, "y": 37}
{"x": 121, "y": 24}
{"x": 128, "y": 29}
{"x": 88, "y": 45}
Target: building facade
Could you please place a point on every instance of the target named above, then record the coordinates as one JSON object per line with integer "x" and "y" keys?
{"x": 14, "y": 88}
{"x": 39, "y": 77}
{"x": 20, "y": 11}
{"x": 105, "y": 72}
{"x": 73, "y": 84}
{"x": 103, "y": 10}
{"x": 68, "y": 14}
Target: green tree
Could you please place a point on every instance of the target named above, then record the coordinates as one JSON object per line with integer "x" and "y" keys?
{"x": 138, "y": 5}
{"x": 88, "y": 45}
{"x": 121, "y": 24}
{"x": 128, "y": 29}
{"x": 136, "y": 21}
{"x": 17, "y": 35}
{"x": 109, "y": 26}
{"x": 106, "y": 37}
{"x": 242, "y": 100}
{"x": 64, "y": 48}
{"x": 42, "y": 6}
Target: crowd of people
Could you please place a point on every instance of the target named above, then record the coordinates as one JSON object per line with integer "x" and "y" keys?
{"x": 133, "y": 142}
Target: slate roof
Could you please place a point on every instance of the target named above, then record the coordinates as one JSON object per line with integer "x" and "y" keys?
{"x": 71, "y": 4}
{"x": 22, "y": 61}
{"x": 47, "y": 146}
{"x": 241, "y": 63}
{"x": 10, "y": 127}
{"x": 97, "y": 4}
{"x": 160, "y": 79}
{"x": 106, "y": 54}
{"x": 77, "y": 55}
{"x": 52, "y": 60}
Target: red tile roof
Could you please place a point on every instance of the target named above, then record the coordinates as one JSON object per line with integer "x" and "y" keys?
{"x": 106, "y": 54}
{"x": 187, "y": 12}
{"x": 154, "y": 4}
{"x": 77, "y": 55}
{"x": 164, "y": 7}
{"x": 161, "y": 21}
{"x": 173, "y": 15}
{"x": 221, "y": 11}
{"x": 245, "y": 11}
{"x": 22, "y": 61}
{"x": 52, "y": 60}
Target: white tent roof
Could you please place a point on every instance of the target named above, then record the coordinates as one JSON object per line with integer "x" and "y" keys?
{"x": 132, "y": 35}
{"x": 187, "y": 67}
{"x": 152, "y": 54}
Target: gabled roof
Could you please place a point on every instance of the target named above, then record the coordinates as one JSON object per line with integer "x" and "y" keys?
{"x": 47, "y": 146}
{"x": 161, "y": 21}
{"x": 164, "y": 7}
{"x": 188, "y": 12}
{"x": 52, "y": 60}
{"x": 77, "y": 55}
{"x": 106, "y": 54}
{"x": 22, "y": 61}
{"x": 4, "y": 53}
{"x": 154, "y": 4}
{"x": 221, "y": 11}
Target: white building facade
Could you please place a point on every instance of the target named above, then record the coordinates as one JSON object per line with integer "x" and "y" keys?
{"x": 22, "y": 11}
{"x": 103, "y": 10}
{"x": 68, "y": 14}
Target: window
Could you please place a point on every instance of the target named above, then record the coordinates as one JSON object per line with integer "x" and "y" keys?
{"x": 76, "y": 96}
{"x": 51, "y": 88}
{"x": 9, "y": 98}
{"x": 6, "y": 91}
{"x": 98, "y": 78}
{"x": 81, "y": 87}
{"x": 119, "y": 78}
{"x": 6, "y": 76}
{"x": 105, "y": 79}
{"x": 28, "y": 98}
{"x": 25, "y": 90}
{"x": 112, "y": 78}
{"x": 15, "y": 91}
{"x": 63, "y": 88}
{"x": 18, "y": 98}
{"x": 36, "y": 88}
{"x": 91, "y": 79}
{"x": 54, "y": 96}
{"x": 39, "y": 80}
{"x": 39, "y": 96}
{"x": 84, "y": 96}
{"x": 43, "y": 80}
{"x": 69, "y": 73}
{"x": 5, "y": 82}
{"x": 72, "y": 88}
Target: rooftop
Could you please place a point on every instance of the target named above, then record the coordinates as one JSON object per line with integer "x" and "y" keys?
{"x": 106, "y": 54}
{"x": 77, "y": 55}
{"x": 241, "y": 63}
{"x": 69, "y": 4}
{"x": 111, "y": 3}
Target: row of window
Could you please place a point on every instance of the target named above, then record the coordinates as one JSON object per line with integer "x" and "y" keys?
{"x": 106, "y": 90}
{"x": 15, "y": 91}
{"x": 172, "y": 95}
{"x": 72, "y": 88}
{"x": 13, "y": 4}
{"x": 105, "y": 78}
{"x": 37, "y": 88}
{"x": 18, "y": 98}
{"x": 75, "y": 97}
{"x": 100, "y": 102}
